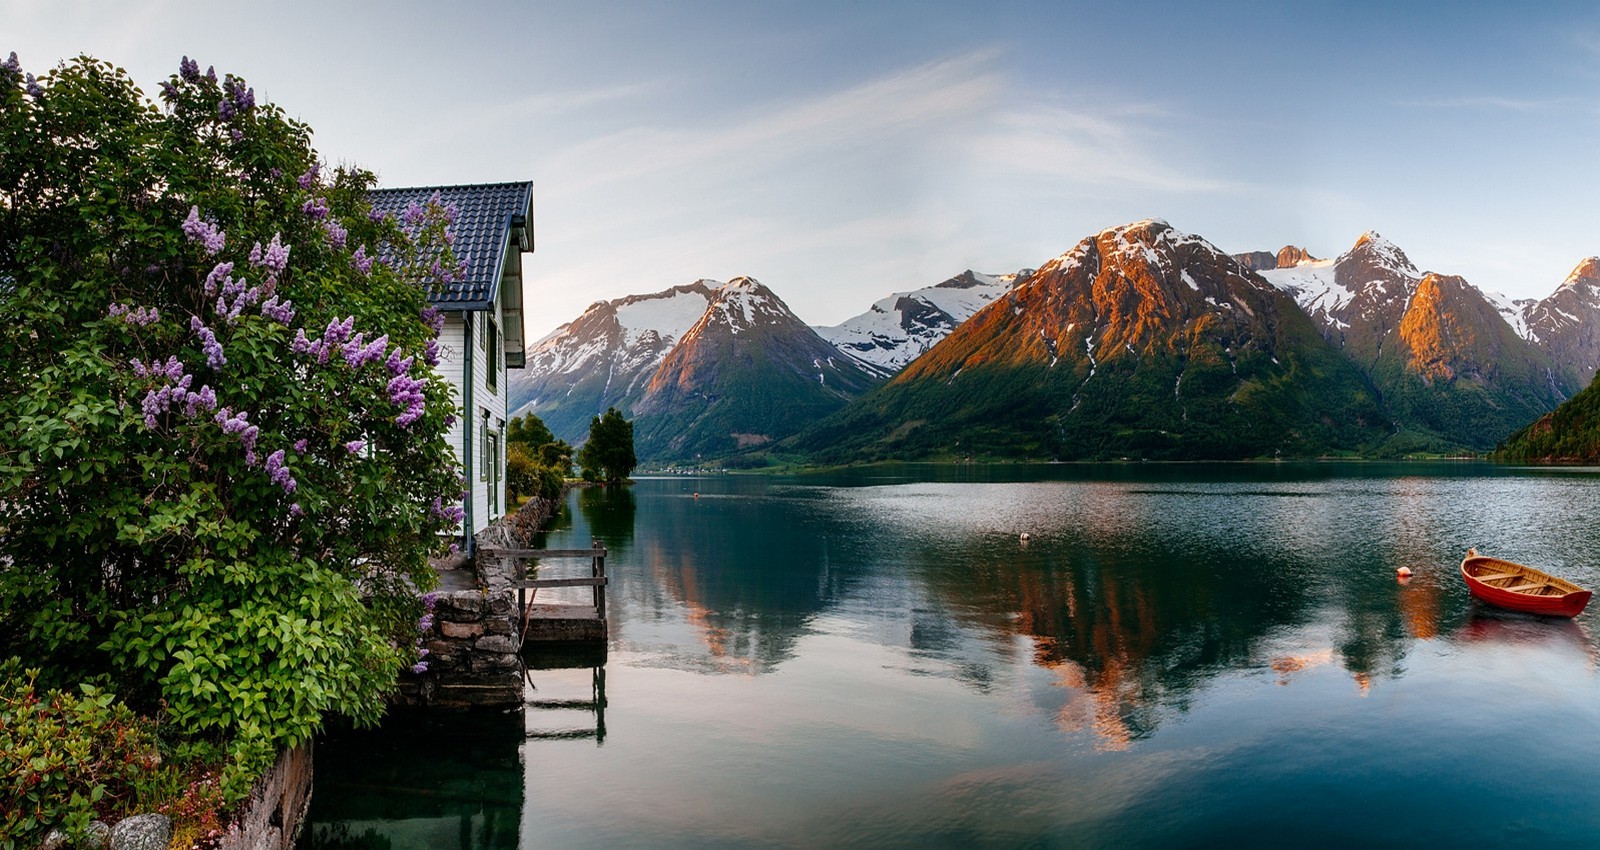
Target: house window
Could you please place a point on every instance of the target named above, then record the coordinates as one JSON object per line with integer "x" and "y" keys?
{"x": 492, "y": 339}
{"x": 494, "y": 473}
{"x": 484, "y": 457}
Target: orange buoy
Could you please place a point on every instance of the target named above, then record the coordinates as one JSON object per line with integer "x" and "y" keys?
{"x": 1404, "y": 572}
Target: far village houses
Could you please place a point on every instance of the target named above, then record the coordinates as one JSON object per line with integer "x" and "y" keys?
{"x": 482, "y": 335}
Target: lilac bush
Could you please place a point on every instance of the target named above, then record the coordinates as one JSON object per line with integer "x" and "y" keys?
{"x": 225, "y": 467}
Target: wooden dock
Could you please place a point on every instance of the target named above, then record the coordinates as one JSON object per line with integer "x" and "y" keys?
{"x": 559, "y": 622}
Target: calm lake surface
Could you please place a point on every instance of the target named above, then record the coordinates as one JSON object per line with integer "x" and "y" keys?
{"x": 1180, "y": 656}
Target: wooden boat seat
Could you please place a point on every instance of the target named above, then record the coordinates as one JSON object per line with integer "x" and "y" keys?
{"x": 1526, "y": 588}
{"x": 1496, "y": 576}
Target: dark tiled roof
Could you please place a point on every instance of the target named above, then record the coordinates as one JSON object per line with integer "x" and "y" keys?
{"x": 484, "y": 218}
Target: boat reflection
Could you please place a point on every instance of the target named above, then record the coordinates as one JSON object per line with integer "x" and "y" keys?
{"x": 1487, "y": 626}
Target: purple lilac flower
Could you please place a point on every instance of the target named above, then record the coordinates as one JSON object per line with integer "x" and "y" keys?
{"x": 376, "y": 215}
{"x": 337, "y": 332}
{"x": 33, "y": 88}
{"x": 450, "y": 513}
{"x": 357, "y": 355}
{"x": 218, "y": 278}
{"x": 302, "y": 345}
{"x": 425, "y": 623}
{"x": 232, "y": 423}
{"x": 279, "y": 473}
{"x": 296, "y": 510}
{"x": 420, "y": 667}
{"x": 158, "y": 401}
{"x": 236, "y": 134}
{"x": 355, "y": 446}
{"x": 282, "y": 313}
{"x": 335, "y": 232}
{"x": 433, "y": 318}
{"x": 169, "y": 92}
{"x": 312, "y": 175}
{"x": 116, "y": 310}
{"x": 211, "y": 73}
{"x": 208, "y": 343}
{"x": 414, "y": 214}
{"x": 276, "y": 258}
{"x": 360, "y": 261}
{"x": 300, "y": 446}
{"x": 430, "y": 352}
{"x": 406, "y": 392}
{"x": 317, "y": 208}
{"x": 204, "y": 232}
{"x": 396, "y": 365}
{"x": 205, "y": 399}
{"x": 11, "y": 66}
{"x": 225, "y": 109}
{"x": 189, "y": 70}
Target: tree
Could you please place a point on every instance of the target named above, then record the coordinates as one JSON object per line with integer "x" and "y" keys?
{"x": 529, "y": 430}
{"x": 608, "y": 455}
{"x": 224, "y": 468}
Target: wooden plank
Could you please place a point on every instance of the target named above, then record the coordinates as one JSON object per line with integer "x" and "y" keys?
{"x": 543, "y": 553}
{"x": 585, "y": 704}
{"x": 585, "y": 581}
{"x": 571, "y": 735}
{"x": 562, "y": 612}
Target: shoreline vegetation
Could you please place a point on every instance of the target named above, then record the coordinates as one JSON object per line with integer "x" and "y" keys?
{"x": 227, "y": 473}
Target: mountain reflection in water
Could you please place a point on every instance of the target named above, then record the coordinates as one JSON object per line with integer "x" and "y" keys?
{"x": 1178, "y": 655}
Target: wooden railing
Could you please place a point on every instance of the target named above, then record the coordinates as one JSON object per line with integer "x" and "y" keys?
{"x": 596, "y": 579}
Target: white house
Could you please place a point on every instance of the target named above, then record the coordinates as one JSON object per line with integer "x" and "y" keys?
{"x": 482, "y": 335}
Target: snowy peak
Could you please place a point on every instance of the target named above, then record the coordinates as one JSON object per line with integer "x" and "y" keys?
{"x": 1379, "y": 257}
{"x": 743, "y": 304}
{"x": 604, "y": 357}
{"x": 896, "y": 330}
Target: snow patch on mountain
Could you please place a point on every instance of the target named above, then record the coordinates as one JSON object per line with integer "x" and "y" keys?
{"x": 1315, "y": 288}
{"x": 899, "y": 328}
{"x": 668, "y": 314}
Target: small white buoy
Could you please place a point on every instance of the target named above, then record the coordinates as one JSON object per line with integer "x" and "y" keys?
{"x": 1025, "y": 537}
{"x": 1403, "y": 572}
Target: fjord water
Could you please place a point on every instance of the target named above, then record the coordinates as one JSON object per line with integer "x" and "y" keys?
{"x": 1178, "y": 656}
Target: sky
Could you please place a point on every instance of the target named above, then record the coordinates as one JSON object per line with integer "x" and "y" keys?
{"x": 841, "y": 151}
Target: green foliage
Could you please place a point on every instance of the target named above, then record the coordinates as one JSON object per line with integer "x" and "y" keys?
{"x": 527, "y": 476}
{"x": 1570, "y": 433}
{"x": 537, "y": 464}
{"x": 66, "y": 759}
{"x": 608, "y": 455}
{"x": 249, "y": 560}
{"x": 529, "y": 430}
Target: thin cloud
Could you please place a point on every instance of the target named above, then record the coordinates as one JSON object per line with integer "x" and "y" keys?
{"x": 1081, "y": 146}
{"x": 903, "y": 104}
{"x": 1486, "y": 102}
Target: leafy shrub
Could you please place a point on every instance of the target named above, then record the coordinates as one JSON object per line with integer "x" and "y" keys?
{"x": 66, "y": 759}
{"x": 226, "y": 466}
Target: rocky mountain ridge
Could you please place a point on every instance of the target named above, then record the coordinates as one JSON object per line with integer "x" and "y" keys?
{"x": 1445, "y": 364}
{"x": 898, "y": 329}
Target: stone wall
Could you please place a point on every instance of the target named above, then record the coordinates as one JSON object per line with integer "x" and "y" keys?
{"x": 276, "y": 806}
{"x": 475, "y": 640}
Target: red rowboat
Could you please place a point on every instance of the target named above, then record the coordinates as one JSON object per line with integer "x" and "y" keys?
{"x": 1510, "y": 585}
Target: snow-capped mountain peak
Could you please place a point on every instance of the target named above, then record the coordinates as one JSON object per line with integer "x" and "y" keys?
{"x": 898, "y": 329}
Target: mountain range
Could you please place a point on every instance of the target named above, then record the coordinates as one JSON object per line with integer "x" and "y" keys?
{"x": 1141, "y": 341}
{"x": 706, "y": 370}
